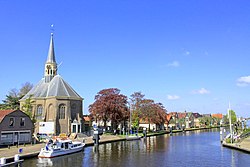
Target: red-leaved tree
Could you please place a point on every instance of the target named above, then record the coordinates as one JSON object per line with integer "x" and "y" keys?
{"x": 109, "y": 105}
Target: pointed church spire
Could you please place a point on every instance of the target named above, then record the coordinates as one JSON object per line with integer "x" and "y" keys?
{"x": 51, "y": 54}
{"x": 50, "y": 66}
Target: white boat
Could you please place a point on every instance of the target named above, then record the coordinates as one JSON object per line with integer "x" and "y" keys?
{"x": 133, "y": 137}
{"x": 60, "y": 146}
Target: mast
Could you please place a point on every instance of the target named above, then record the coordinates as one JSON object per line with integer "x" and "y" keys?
{"x": 130, "y": 119}
{"x": 230, "y": 122}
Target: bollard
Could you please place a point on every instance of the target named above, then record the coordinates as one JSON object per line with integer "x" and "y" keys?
{"x": 171, "y": 131}
{"x": 20, "y": 150}
{"x": 144, "y": 132}
{"x": 83, "y": 141}
{"x": 96, "y": 137}
{"x": 221, "y": 137}
{"x": 16, "y": 158}
{"x": 2, "y": 161}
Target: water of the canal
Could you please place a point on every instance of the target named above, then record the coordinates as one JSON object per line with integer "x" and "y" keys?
{"x": 190, "y": 149}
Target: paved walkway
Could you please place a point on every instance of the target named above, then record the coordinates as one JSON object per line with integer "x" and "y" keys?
{"x": 243, "y": 146}
{"x": 33, "y": 150}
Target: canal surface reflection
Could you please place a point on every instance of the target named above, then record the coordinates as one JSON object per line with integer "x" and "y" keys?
{"x": 199, "y": 148}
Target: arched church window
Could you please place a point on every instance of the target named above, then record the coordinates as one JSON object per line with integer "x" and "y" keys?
{"x": 50, "y": 113}
{"x": 73, "y": 111}
{"x": 62, "y": 108}
{"x": 39, "y": 112}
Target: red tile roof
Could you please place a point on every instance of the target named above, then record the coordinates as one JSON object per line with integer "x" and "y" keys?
{"x": 3, "y": 113}
{"x": 168, "y": 118}
{"x": 220, "y": 116}
{"x": 182, "y": 115}
{"x": 86, "y": 118}
{"x": 173, "y": 113}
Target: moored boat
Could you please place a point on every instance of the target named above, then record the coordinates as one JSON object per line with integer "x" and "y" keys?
{"x": 59, "y": 147}
{"x": 133, "y": 137}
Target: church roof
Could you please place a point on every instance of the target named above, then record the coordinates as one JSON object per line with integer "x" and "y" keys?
{"x": 57, "y": 87}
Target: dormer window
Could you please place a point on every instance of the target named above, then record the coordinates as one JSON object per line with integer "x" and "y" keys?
{"x": 22, "y": 121}
{"x": 11, "y": 123}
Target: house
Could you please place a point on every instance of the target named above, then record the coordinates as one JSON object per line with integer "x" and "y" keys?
{"x": 217, "y": 118}
{"x": 189, "y": 120}
{"x": 206, "y": 115}
{"x": 181, "y": 120}
{"x": 196, "y": 116}
{"x": 144, "y": 123}
{"x": 173, "y": 120}
{"x": 87, "y": 122}
{"x": 167, "y": 121}
{"x": 206, "y": 120}
{"x": 16, "y": 127}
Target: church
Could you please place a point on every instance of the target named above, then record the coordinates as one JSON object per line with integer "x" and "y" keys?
{"x": 54, "y": 100}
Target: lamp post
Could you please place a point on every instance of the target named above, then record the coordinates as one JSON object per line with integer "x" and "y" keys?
{"x": 130, "y": 119}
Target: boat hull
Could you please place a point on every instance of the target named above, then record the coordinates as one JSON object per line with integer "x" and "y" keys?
{"x": 55, "y": 153}
{"x": 133, "y": 137}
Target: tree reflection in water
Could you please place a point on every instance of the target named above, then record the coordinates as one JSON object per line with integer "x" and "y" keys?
{"x": 199, "y": 148}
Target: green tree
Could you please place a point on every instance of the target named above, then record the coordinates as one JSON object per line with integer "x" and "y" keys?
{"x": 27, "y": 108}
{"x": 233, "y": 116}
{"x": 11, "y": 102}
{"x": 12, "y": 99}
{"x": 181, "y": 121}
{"x": 205, "y": 120}
{"x": 216, "y": 120}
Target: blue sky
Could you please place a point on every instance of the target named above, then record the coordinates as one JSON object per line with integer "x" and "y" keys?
{"x": 189, "y": 55}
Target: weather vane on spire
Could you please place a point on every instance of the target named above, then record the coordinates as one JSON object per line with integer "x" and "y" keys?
{"x": 52, "y": 29}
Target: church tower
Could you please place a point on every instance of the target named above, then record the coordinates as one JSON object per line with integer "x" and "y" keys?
{"x": 54, "y": 100}
{"x": 50, "y": 66}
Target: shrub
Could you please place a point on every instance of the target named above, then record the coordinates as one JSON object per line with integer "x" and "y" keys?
{"x": 228, "y": 140}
